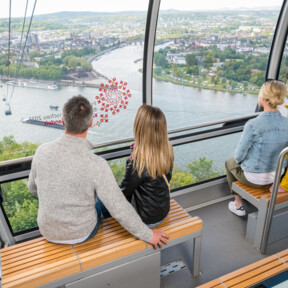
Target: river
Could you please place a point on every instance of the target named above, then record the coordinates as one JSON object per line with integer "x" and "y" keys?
{"x": 182, "y": 105}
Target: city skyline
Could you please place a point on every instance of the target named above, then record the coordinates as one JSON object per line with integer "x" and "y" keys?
{"x": 53, "y": 6}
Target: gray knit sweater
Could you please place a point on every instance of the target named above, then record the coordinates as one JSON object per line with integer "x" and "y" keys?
{"x": 66, "y": 176}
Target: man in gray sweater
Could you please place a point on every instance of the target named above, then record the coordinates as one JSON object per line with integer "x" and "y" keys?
{"x": 69, "y": 179}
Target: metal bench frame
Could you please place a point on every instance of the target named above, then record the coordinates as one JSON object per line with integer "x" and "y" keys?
{"x": 265, "y": 211}
{"x": 263, "y": 206}
{"x": 140, "y": 269}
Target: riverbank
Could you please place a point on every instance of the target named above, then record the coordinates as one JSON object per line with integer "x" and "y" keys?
{"x": 184, "y": 82}
{"x": 51, "y": 85}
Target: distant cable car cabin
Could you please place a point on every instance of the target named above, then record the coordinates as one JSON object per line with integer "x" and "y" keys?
{"x": 8, "y": 110}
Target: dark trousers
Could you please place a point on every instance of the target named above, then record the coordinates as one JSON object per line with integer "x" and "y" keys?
{"x": 102, "y": 212}
{"x": 235, "y": 173}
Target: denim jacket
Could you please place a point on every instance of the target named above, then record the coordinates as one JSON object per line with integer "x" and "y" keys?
{"x": 262, "y": 141}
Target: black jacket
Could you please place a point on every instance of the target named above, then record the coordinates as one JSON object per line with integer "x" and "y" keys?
{"x": 150, "y": 197}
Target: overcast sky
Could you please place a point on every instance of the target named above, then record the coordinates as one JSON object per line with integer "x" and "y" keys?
{"x": 51, "y": 6}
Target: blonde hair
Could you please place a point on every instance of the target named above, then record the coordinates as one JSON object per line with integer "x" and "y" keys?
{"x": 152, "y": 148}
{"x": 273, "y": 92}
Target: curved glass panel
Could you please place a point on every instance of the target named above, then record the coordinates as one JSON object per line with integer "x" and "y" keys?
{"x": 202, "y": 160}
{"x": 283, "y": 76}
{"x": 21, "y": 207}
{"x": 97, "y": 54}
{"x": 210, "y": 58}
{"x": 194, "y": 162}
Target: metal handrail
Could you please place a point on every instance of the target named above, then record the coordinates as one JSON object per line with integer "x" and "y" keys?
{"x": 276, "y": 184}
{"x": 126, "y": 140}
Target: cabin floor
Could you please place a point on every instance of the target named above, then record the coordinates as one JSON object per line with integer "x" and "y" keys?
{"x": 224, "y": 247}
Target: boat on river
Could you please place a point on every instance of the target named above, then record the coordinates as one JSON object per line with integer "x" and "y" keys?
{"x": 50, "y": 124}
{"x": 31, "y": 84}
{"x": 53, "y": 107}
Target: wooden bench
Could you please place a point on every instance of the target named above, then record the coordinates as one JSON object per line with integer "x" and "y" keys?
{"x": 252, "y": 274}
{"x": 260, "y": 198}
{"x": 113, "y": 257}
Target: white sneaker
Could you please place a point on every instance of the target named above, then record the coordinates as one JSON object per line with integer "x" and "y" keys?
{"x": 238, "y": 211}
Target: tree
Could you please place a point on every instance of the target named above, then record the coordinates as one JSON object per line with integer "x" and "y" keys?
{"x": 160, "y": 60}
{"x": 180, "y": 178}
{"x": 25, "y": 216}
{"x": 158, "y": 70}
{"x": 118, "y": 169}
{"x": 208, "y": 61}
{"x": 10, "y": 149}
{"x": 190, "y": 60}
{"x": 202, "y": 169}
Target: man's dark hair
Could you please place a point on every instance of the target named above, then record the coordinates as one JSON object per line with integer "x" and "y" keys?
{"x": 77, "y": 114}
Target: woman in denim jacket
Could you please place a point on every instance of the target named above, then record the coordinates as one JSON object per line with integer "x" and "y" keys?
{"x": 255, "y": 159}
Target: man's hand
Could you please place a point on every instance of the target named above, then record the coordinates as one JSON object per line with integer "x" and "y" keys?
{"x": 158, "y": 238}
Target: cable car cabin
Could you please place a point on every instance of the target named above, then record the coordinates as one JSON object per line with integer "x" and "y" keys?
{"x": 203, "y": 66}
{"x": 8, "y": 110}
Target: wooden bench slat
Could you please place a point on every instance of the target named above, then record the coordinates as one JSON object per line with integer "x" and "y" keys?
{"x": 249, "y": 268}
{"x": 23, "y": 244}
{"x": 172, "y": 220}
{"x": 49, "y": 273}
{"x": 261, "y": 277}
{"x": 101, "y": 242}
{"x": 101, "y": 239}
{"x": 285, "y": 259}
{"x": 22, "y": 269}
{"x": 33, "y": 252}
{"x": 212, "y": 284}
{"x": 38, "y": 278}
{"x": 175, "y": 216}
{"x": 20, "y": 247}
{"x": 171, "y": 216}
{"x": 282, "y": 253}
{"x": 254, "y": 273}
{"x": 257, "y": 193}
{"x": 48, "y": 262}
{"x": 195, "y": 223}
{"x": 37, "y": 258}
{"x": 281, "y": 198}
{"x": 182, "y": 229}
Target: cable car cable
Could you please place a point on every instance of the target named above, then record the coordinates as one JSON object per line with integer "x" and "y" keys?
{"x": 24, "y": 43}
{"x": 24, "y": 22}
{"x": 9, "y": 37}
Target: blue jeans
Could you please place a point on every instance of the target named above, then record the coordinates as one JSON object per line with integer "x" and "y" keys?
{"x": 102, "y": 213}
{"x": 155, "y": 224}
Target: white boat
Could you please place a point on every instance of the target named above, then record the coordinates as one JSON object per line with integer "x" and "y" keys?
{"x": 13, "y": 83}
{"x": 32, "y": 84}
{"x": 52, "y": 87}
{"x": 16, "y": 83}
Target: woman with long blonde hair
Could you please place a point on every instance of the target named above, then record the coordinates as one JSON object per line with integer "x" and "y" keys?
{"x": 149, "y": 169}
